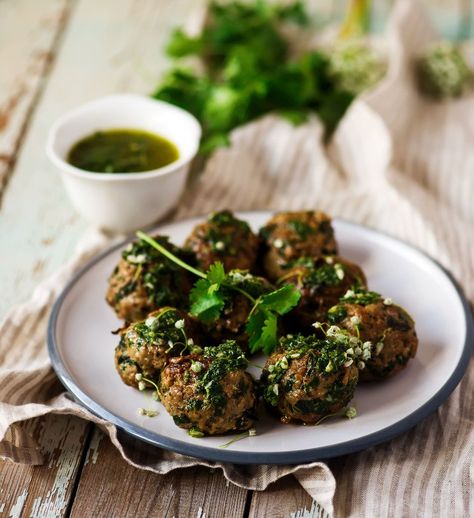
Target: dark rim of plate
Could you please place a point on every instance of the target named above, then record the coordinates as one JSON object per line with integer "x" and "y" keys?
{"x": 238, "y": 457}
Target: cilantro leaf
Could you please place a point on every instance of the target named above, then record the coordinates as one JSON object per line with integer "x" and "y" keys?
{"x": 262, "y": 329}
{"x": 211, "y": 292}
{"x": 206, "y": 301}
{"x": 180, "y": 44}
{"x": 254, "y": 329}
{"x": 246, "y": 69}
{"x": 268, "y": 338}
{"x": 262, "y": 325}
{"x": 281, "y": 300}
{"x": 215, "y": 273}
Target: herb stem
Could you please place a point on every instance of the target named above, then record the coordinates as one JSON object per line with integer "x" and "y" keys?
{"x": 145, "y": 237}
{"x": 237, "y": 438}
{"x": 243, "y": 292}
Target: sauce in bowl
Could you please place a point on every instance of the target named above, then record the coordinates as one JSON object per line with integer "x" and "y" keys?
{"x": 122, "y": 151}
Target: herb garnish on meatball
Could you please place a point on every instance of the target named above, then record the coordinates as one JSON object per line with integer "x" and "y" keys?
{"x": 210, "y": 393}
{"x": 145, "y": 280}
{"x": 321, "y": 282}
{"x": 308, "y": 378}
{"x": 289, "y": 236}
{"x": 389, "y": 327}
{"x": 146, "y": 346}
{"x": 225, "y": 238}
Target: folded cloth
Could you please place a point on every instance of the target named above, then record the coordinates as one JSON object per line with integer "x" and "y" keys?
{"x": 398, "y": 163}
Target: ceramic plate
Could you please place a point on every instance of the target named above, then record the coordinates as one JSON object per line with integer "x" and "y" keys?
{"x": 81, "y": 347}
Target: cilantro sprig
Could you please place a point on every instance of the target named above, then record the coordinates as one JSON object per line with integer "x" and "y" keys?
{"x": 211, "y": 291}
{"x": 245, "y": 69}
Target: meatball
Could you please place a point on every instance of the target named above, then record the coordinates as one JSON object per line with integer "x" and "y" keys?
{"x": 146, "y": 346}
{"x": 224, "y": 238}
{"x": 321, "y": 283}
{"x": 291, "y": 235}
{"x": 308, "y": 378}
{"x": 210, "y": 393}
{"x": 387, "y": 326}
{"x": 145, "y": 280}
{"x": 233, "y": 318}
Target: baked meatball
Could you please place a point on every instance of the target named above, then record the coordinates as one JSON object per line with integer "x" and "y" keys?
{"x": 291, "y": 235}
{"x": 321, "y": 283}
{"x": 308, "y": 378}
{"x": 387, "y": 326}
{"x": 231, "y": 324}
{"x": 146, "y": 346}
{"x": 145, "y": 280}
{"x": 210, "y": 393}
{"x": 224, "y": 238}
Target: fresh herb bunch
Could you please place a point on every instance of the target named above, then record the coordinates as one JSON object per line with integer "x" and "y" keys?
{"x": 248, "y": 71}
{"x": 209, "y": 294}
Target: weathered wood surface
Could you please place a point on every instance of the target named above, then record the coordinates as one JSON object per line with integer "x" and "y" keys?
{"x": 121, "y": 490}
{"x": 29, "y": 35}
{"x": 108, "y": 46}
{"x": 45, "y": 491}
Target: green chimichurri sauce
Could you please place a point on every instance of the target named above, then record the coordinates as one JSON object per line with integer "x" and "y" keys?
{"x": 122, "y": 151}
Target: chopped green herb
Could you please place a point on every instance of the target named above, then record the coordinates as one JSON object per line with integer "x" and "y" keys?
{"x": 194, "y": 432}
{"x": 224, "y": 358}
{"x": 361, "y": 296}
{"x": 301, "y": 228}
{"x": 161, "y": 278}
{"x": 324, "y": 357}
{"x": 337, "y": 313}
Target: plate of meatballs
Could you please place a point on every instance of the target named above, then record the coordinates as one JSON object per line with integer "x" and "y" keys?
{"x": 261, "y": 338}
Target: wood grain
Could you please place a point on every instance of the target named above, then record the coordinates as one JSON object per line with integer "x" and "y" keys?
{"x": 44, "y": 491}
{"x": 29, "y": 32}
{"x": 111, "y": 487}
{"x": 108, "y": 46}
{"x": 285, "y": 498}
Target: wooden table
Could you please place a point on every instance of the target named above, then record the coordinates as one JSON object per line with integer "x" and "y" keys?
{"x": 54, "y": 55}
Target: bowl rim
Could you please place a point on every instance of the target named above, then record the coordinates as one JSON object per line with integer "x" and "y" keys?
{"x": 168, "y": 169}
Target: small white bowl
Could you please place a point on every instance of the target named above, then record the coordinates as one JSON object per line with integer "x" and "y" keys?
{"x": 123, "y": 202}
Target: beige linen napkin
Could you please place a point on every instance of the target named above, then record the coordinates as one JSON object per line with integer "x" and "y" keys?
{"x": 398, "y": 163}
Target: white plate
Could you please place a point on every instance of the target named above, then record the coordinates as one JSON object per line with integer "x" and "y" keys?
{"x": 81, "y": 347}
